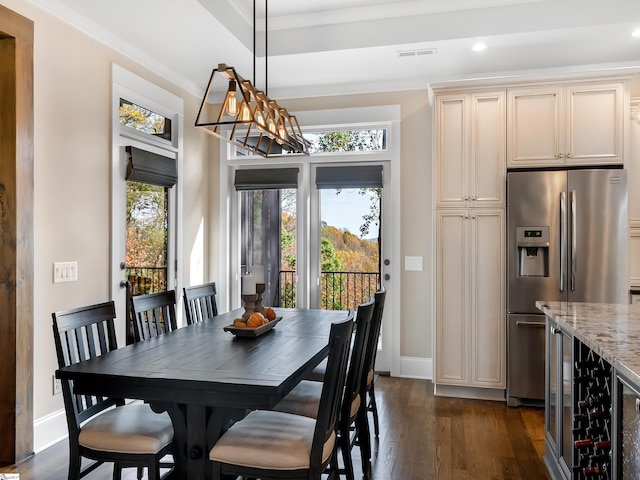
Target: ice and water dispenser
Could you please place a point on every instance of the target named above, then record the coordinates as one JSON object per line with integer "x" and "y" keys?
{"x": 533, "y": 251}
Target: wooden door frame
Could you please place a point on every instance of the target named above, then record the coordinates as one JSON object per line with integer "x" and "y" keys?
{"x": 16, "y": 237}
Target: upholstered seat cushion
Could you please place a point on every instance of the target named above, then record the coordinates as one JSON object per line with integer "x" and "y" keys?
{"x": 370, "y": 376}
{"x": 317, "y": 374}
{"x": 270, "y": 440}
{"x": 128, "y": 429}
{"x": 304, "y": 399}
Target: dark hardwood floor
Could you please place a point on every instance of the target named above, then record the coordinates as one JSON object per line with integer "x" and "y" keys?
{"x": 422, "y": 438}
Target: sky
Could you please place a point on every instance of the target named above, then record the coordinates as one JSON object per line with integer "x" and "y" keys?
{"x": 345, "y": 210}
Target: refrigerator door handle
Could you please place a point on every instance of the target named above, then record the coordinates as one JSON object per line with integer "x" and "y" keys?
{"x": 563, "y": 240}
{"x": 574, "y": 239}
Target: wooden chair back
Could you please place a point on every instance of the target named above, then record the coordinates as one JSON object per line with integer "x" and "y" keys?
{"x": 374, "y": 333}
{"x": 356, "y": 370}
{"x": 200, "y": 302}
{"x": 332, "y": 387}
{"x": 154, "y": 314}
{"x": 80, "y": 334}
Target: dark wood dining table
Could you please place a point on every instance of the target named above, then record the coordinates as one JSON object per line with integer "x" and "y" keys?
{"x": 205, "y": 377}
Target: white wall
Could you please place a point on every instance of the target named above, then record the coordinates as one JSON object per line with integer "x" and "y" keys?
{"x": 72, "y": 156}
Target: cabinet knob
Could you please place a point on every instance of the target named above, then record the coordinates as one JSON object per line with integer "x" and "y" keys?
{"x": 473, "y": 198}
{"x": 556, "y": 331}
{"x": 466, "y": 197}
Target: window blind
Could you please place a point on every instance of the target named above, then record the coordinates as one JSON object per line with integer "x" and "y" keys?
{"x": 353, "y": 176}
{"x": 266, "y": 179}
{"x": 147, "y": 167}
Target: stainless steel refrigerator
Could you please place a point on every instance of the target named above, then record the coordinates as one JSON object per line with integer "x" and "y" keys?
{"x": 567, "y": 237}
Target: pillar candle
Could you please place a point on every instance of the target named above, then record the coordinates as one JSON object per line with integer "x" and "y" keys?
{"x": 248, "y": 285}
{"x": 258, "y": 273}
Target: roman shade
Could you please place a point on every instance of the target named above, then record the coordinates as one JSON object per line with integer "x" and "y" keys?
{"x": 147, "y": 167}
{"x": 357, "y": 176}
{"x": 266, "y": 179}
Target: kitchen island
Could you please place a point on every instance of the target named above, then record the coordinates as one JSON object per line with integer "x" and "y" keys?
{"x": 592, "y": 399}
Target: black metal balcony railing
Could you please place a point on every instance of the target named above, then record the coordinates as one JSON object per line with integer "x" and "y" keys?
{"x": 146, "y": 280}
{"x": 339, "y": 290}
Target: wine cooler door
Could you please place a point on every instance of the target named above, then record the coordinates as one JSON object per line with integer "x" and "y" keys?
{"x": 629, "y": 459}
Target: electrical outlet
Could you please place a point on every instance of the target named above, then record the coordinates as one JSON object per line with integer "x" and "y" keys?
{"x": 57, "y": 386}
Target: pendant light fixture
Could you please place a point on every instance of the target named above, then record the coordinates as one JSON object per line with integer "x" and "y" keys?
{"x": 235, "y": 111}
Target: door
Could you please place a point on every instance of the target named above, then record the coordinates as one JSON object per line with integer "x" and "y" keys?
{"x": 152, "y": 123}
{"x": 535, "y": 201}
{"x": 598, "y": 226}
{"x": 526, "y": 362}
{"x": 351, "y": 244}
{"x": 144, "y": 233}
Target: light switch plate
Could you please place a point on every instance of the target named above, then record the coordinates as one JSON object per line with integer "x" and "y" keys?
{"x": 65, "y": 272}
{"x": 413, "y": 264}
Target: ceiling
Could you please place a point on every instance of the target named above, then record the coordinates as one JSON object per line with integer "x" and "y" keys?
{"x": 324, "y": 47}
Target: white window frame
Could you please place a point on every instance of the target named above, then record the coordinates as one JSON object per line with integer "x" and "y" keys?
{"x": 387, "y": 117}
{"x": 130, "y": 86}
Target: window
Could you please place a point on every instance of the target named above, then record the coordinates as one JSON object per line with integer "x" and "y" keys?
{"x": 268, "y": 229}
{"x": 363, "y": 140}
{"x": 143, "y": 120}
{"x": 147, "y": 237}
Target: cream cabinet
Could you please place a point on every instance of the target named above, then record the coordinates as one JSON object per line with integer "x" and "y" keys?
{"x": 470, "y": 297}
{"x": 470, "y": 152}
{"x": 564, "y": 125}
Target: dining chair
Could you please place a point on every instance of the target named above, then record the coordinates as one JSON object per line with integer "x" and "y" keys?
{"x": 305, "y": 398}
{"x": 272, "y": 444}
{"x": 370, "y": 359}
{"x": 154, "y": 314}
{"x": 200, "y": 302}
{"x": 129, "y": 435}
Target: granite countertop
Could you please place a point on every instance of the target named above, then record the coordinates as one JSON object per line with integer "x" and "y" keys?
{"x": 610, "y": 330}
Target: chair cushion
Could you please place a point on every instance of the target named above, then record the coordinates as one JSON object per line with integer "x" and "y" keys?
{"x": 304, "y": 399}
{"x": 370, "y": 377}
{"x": 128, "y": 429}
{"x": 270, "y": 440}
{"x": 317, "y": 374}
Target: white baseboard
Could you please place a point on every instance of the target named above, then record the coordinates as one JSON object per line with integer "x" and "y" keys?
{"x": 49, "y": 429}
{"x": 474, "y": 393}
{"x": 416, "y": 367}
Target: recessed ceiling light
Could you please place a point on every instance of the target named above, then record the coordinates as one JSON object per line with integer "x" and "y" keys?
{"x": 478, "y": 47}
{"x": 636, "y": 32}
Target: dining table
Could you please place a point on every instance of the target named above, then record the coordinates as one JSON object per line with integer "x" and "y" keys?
{"x": 206, "y": 377}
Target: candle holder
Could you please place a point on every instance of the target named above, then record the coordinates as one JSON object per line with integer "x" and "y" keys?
{"x": 260, "y": 287}
{"x": 249, "y": 305}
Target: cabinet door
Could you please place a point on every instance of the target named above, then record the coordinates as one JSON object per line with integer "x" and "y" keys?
{"x": 535, "y": 129}
{"x": 487, "y": 165}
{"x": 488, "y": 316}
{"x": 452, "y": 293}
{"x": 451, "y": 170}
{"x": 594, "y": 119}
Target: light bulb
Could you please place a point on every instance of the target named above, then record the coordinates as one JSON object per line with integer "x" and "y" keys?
{"x": 245, "y": 112}
{"x": 232, "y": 101}
{"x": 282, "y": 134}
{"x": 259, "y": 119}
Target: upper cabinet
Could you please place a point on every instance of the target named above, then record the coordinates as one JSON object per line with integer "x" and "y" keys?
{"x": 470, "y": 152}
{"x": 566, "y": 125}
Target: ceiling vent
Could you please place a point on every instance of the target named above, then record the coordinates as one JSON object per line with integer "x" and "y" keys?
{"x": 425, "y": 52}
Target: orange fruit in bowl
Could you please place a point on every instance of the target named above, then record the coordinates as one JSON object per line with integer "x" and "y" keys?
{"x": 239, "y": 323}
{"x": 256, "y": 320}
{"x": 270, "y": 313}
